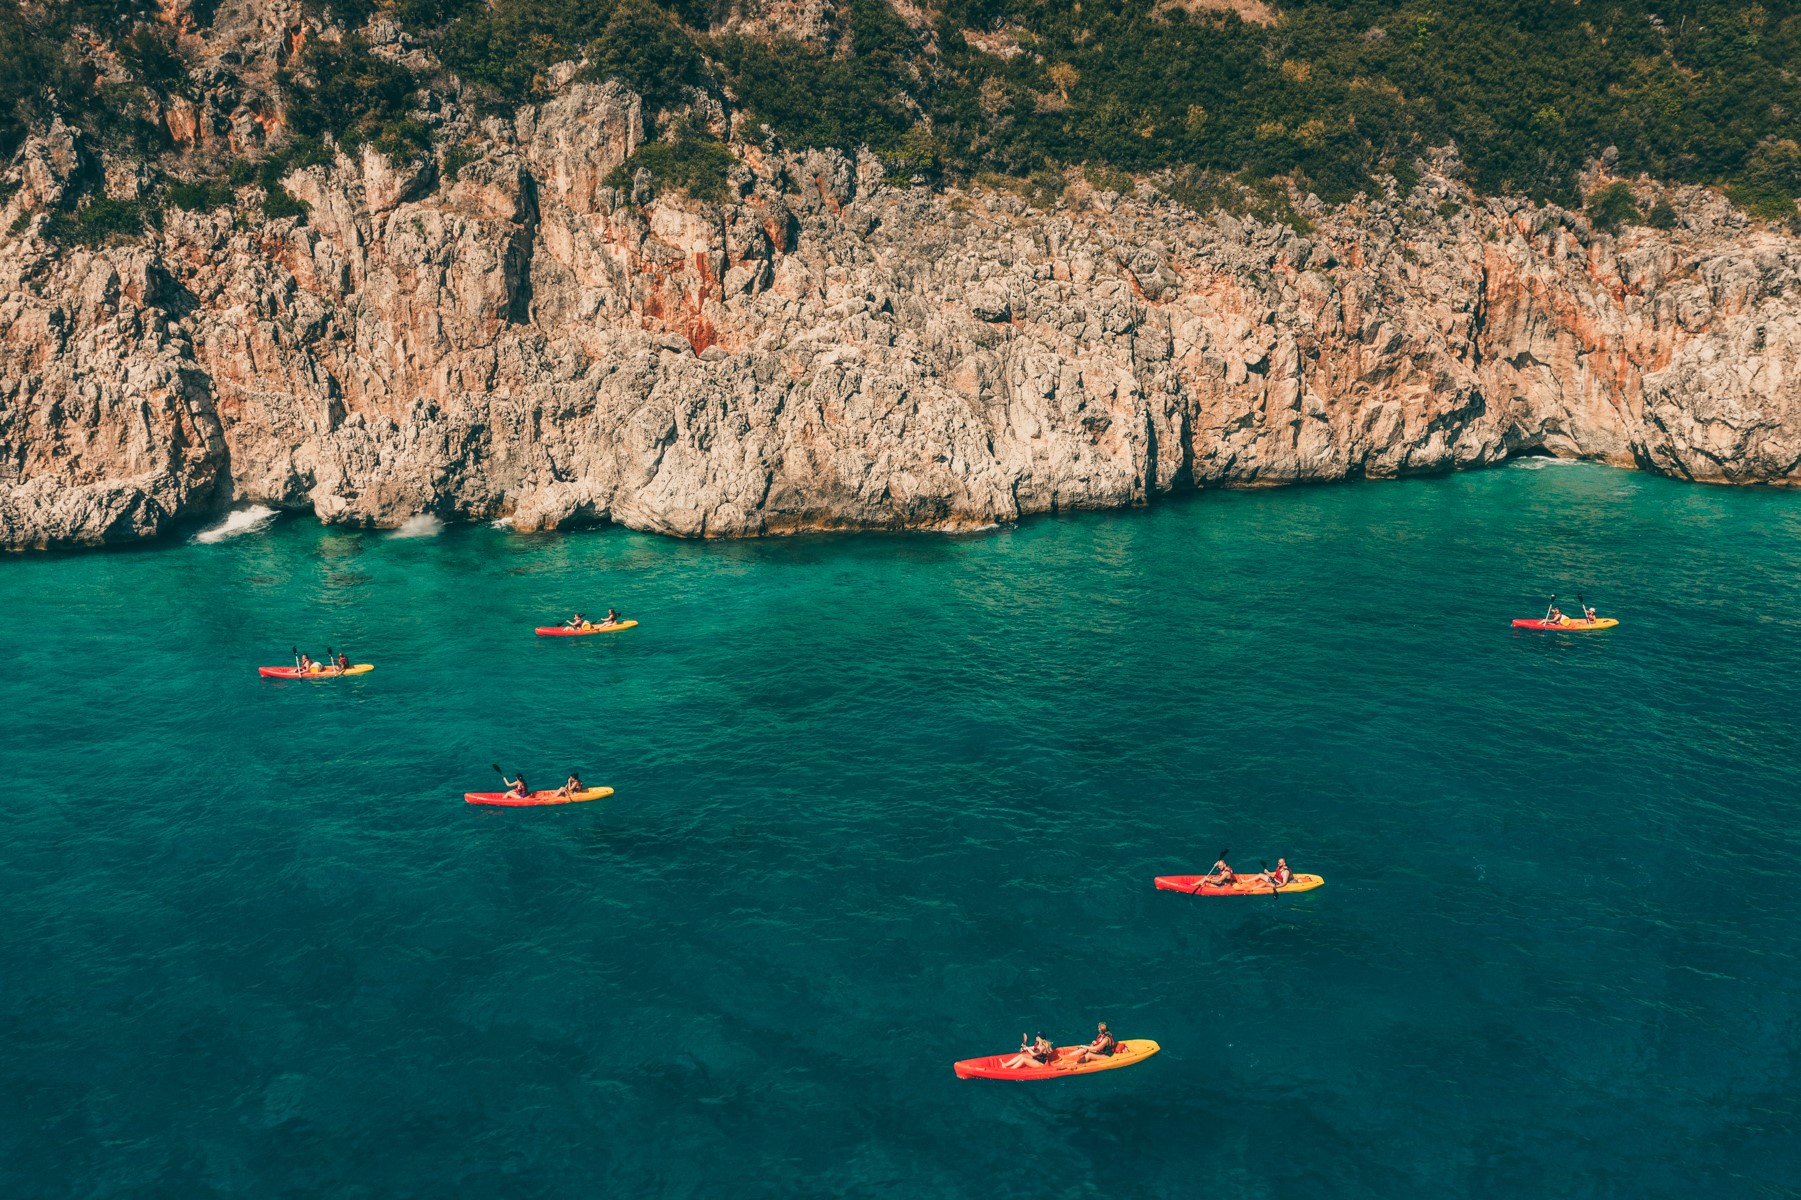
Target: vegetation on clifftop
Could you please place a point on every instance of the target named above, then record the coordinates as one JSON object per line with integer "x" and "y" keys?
{"x": 1328, "y": 95}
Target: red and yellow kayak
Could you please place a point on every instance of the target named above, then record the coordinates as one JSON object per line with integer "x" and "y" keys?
{"x": 315, "y": 673}
{"x": 507, "y": 800}
{"x": 1243, "y": 885}
{"x": 1566, "y": 625}
{"x": 1125, "y": 1054}
{"x": 584, "y": 631}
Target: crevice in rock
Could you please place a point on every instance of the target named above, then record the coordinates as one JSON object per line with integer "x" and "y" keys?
{"x": 520, "y": 253}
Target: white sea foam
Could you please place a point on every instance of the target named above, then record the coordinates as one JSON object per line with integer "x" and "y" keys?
{"x": 501, "y": 523}
{"x": 243, "y": 520}
{"x": 423, "y": 525}
{"x": 1538, "y": 462}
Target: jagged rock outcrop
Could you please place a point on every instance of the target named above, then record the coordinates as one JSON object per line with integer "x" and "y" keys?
{"x": 828, "y": 351}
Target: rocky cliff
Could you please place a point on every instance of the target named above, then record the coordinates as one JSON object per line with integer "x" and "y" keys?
{"x": 831, "y": 351}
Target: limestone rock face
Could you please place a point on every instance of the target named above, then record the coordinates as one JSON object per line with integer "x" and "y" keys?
{"x": 829, "y": 351}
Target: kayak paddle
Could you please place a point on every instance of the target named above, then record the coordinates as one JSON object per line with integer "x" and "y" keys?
{"x": 1197, "y": 887}
{"x": 1273, "y": 885}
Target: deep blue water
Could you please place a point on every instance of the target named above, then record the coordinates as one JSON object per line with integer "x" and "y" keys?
{"x": 883, "y": 803}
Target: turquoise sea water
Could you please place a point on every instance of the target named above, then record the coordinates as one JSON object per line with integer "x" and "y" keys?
{"x": 885, "y": 802}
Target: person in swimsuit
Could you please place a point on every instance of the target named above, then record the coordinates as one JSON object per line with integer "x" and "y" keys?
{"x": 1280, "y": 877}
{"x": 516, "y": 788}
{"x": 1100, "y": 1047}
{"x": 1034, "y": 1053}
{"x": 1588, "y": 614}
{"x": 572, "y": 786}
{"x": 1220, "y": 874}
{"x": 577, "y": 622}
{"x": 307, "y": 665}
{"x": 1554, "y": 615}
{"x": 612, "y": 617}
{"x": 343, "y": 662}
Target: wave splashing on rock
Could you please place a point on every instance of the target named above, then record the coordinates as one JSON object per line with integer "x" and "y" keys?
{"x": 241, "y": 521}
{"x": 422, "y": 526}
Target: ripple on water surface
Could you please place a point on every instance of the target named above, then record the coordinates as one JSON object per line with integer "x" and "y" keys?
{"x": 884, "y": 802}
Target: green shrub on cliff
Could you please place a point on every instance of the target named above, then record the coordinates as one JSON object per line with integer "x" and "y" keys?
{"x": 1770, "y": 181}
{"x": 200, "y": 196}
{"x": 647, "y": 49}
{"x": 357, "y": 97}
{"x": 1613, "y": 206}
{"x": 268, "y": 173}
{"x": 101, "y": 221}
{"x": 509, "y": 46}
{"x": 695, "y": 164}
{"x": 279, "y": 202}
{"x": 816, "y": 96}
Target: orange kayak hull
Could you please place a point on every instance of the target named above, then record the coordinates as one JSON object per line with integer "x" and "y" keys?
{"x": 508, "y": 800}
{"x": 1564, "y": 626}
{"x": 329, "y": 673}
{"x": 1128, "y": 1053}
{"x": 584, "y": 631}
{"x": 1244, "y": 885}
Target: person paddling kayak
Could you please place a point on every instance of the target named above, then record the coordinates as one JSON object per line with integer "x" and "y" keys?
{"x": 1553, "y": 614}
{"x": 1100, "y": 1047}
{"x": 516, "y": 787}
{"x": 1220, "y": 873}
{"x": 1278, "y": 878}
{"x": 613, "y": 617}
{"x": 577, "y": 622}
{"x": 1035, "y": 1052}
{"x": 572, "y": 785}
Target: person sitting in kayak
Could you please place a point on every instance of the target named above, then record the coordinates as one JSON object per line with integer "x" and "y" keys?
{"x": 516, "y": 788}
{"x": 1221, "y": 873}
{"x": 306, "y": 666}
{"x": 1280, "y": 877}
{"x": 1553, "y": 615}
{"x": 612, "y": 617}
{"x": 343, "y": 662}
{"x": 1100, "y": 1047}
{"x": 571, "y": 786}
{"x": 577, "y": 622}
{"x": 1588, "y": 614}
{"x": 1033, "y": 1053}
